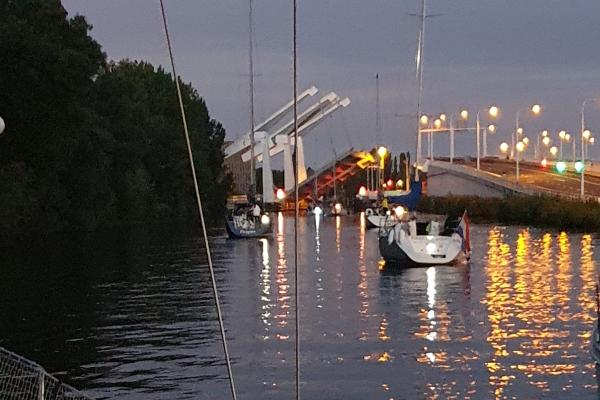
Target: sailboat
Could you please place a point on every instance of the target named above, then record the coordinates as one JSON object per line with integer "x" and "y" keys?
{"x": 242, "y": 221}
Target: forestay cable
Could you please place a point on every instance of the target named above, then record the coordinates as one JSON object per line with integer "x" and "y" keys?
{"x": 199, "y": 202}
{"x": 296, "y": 206}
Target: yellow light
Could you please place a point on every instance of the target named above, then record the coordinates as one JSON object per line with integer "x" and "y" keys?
{"x": 546, "y": 140}
{"x": 504, "y": 147}
{"x": 545, "y": 132}
{"x": 536, "y": 109}
{"x": 424, "y": 119}
{"x": 553, "y": 150}
{"x": 567, "y": 137}
{"x": 526, "y": 141}
{"x": 520, "y": 131}
{"x": 494, "y": 111}
{"x": 399, "y": 211}
{"x": 586, "y": 134}
{"x": 592, "y": 140}
{"x": 280, "y": 194}
{"x": 443, "y": 117}
{"x": 544, "y": 163}
{"x": 438, "y": 123}
{"x": 562, "y": 134}
{"x": 464, "y": 114}
{"x": 382, "y": 151}
{"x": 492, "y": 128}
{"x": 520, "y": 146}
{"x": 362, "y": 191}
{"x": 399, "y": 183}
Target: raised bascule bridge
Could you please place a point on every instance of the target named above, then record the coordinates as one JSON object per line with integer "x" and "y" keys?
{"x": 276, "y": 135}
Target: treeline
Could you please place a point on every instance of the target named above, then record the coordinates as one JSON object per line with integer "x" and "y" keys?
{"x": 545, "y": 212}
{"x": 88, "y": 141}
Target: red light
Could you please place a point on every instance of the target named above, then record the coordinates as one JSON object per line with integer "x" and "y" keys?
{"x": 390, "y": 183}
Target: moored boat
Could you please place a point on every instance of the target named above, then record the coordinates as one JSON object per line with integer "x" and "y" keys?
{"x": 407, "y": 246}
{"x": 242, "y": 226}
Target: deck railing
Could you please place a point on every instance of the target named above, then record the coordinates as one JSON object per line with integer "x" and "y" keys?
{"x": 21, "y": 379}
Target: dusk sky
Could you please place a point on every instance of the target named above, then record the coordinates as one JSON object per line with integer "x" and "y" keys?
{"x": 477, "y": 53}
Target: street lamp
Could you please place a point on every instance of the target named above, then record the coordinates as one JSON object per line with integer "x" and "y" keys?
{"x": 464, "y": 115}
{"x": 536, "y": 110}
{"x": 583, "y": 131}
{"x": 520, "y": 148}
{"x": 564, "y": 137}
{"x": 381, "y": 152}
{"x": 553, "y": 151}
{"x": 493, "y": 111}
{"x": 503, "y": 147}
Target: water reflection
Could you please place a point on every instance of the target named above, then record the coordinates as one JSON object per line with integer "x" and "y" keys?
{"x": 516, "y": 323}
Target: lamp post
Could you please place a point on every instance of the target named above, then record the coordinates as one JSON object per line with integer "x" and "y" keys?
{"x": 423, "y": 121}
{"x": 381, "y": 152}
{"x": 493, "y": 111}
{"x": 535, "y": 109}
{"x": 583, "y": 131}
{"x": 520, "y": 146}
{"x": 563, "y": 137}
{"x": 537, "y": 151}
{"x": 491, "y": 129}
{"x": 464, "y": 115}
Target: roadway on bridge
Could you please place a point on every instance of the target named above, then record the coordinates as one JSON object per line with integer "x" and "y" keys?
{"x": 533, "y": 174}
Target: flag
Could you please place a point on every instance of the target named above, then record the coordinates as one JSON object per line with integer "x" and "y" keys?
{"x": 463, "y": 231}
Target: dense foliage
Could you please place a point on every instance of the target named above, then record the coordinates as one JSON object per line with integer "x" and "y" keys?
{"x": 90, "y": 142}
{"x": 519, "y": 210}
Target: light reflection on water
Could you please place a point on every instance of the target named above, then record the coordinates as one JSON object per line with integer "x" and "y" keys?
{"x": 516, "y": 323}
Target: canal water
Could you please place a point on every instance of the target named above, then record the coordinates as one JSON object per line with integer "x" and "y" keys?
{"x": 130, "y": 315}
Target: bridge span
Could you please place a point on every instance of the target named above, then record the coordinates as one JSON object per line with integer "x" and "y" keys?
{"x": 497, "y": 178}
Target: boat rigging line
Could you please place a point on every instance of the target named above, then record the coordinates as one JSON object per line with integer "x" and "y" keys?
{"x": 296, "y": 197}
{"x": 199, "y": 202}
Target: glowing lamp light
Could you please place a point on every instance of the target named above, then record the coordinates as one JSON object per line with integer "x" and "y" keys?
{"x": 265, "y": 220}
{"x": 520, "y": 146}
{"x": 536, "y": 109}
{"x": 578, "y": 166}
{"x": 544, "y": 163}
{"x": 526, "y": 141}
{"x": 424, "y": 119}
{"x": 430, "y": 247}
{"x": 382, "y": 151}
{"x": 545, "y": 132}
{"x": 504, "y": 147}
{"x": 384, "y": 185}
{"x": 492, "y": 128}
{"x": 546, "y": 140}
{"x": 562, "y": 134}
{"x": 338, "y": 208}
{"x": 399, "y": 183}
{"x": 318, "y": 211}
{"x": 494, "y": 111}
{"x": 520, "y": 131}
{"x": 553, "y": 150}
{"x": 561, "y": 166}
{"x": 390, "y": 183}
{"x": 362, "y": 191}
{"x": 464, "y": 114}
{"x": 399, "y": 211}
{"x": 280, "y": 194}
{"x": 586, "y": 134}
{"x": 567, "y": 137}
{"x": 592, "y": 140}
{"x": 443, "y": 117}
{"x": 438, "y": 123}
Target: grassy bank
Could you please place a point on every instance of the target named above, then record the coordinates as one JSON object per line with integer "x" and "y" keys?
{"x": 519, "y": 210}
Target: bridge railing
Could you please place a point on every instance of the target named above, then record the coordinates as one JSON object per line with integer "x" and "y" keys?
{"x": 22, "y": 379}
{"x": 511, "y": 186}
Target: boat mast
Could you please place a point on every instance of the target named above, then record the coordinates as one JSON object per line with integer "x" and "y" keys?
{"x": 419, "y": 62}
{"x": 251, "y": 79}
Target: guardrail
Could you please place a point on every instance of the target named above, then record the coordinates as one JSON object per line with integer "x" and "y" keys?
{"x": 510, "y": 186}
{"x": 22, "y": 379}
